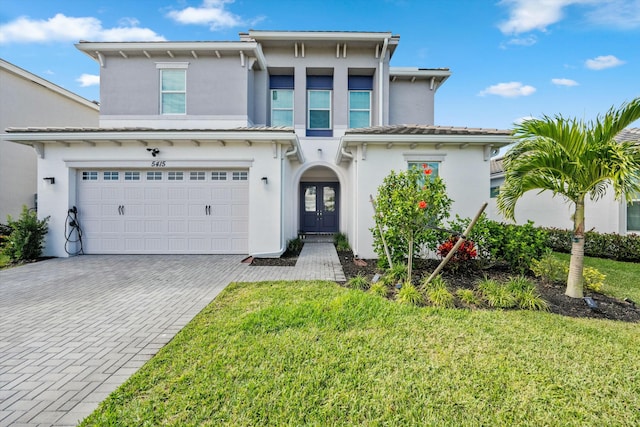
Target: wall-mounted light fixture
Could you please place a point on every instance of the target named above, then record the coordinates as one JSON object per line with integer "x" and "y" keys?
{"x": 265, "y": 180}
{"x": 51, "y": 179}
{"x": 154, "y": 151}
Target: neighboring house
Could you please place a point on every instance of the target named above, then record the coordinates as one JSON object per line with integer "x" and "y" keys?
{"x": 606, "y": 215}
{"x": 238, "y": 147}
{"x": 28, "y": 100}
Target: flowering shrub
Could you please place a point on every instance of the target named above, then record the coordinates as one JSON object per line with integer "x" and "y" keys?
{"x": 467, "y": 250}
{"x": 409, "y": 204}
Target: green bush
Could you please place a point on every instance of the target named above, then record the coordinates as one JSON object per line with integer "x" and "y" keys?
{"x": 440, "y": 297}
{"x": 498, "y": 243}
{"x": 358, "y": 282}
{"x": 468, "y": 297}
{"x": 409, "y": 205}
{"x": 396, "y": 274}
{"x": 593, "y": 279}
{"x": 27, "y": 236}
{"x": 341, "y": 242}
{"x": 496, "y": 294}
{"x": 295, "y": 245}
{"x": 435, "y": 283}
{"x": 549, "y": 268}
{"x": 380, "y": 289}
{"x": 597, "y": 245}
{"x": 409, "y": 294}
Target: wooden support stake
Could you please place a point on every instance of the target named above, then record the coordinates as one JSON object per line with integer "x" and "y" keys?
{"x": 456, "y": 246}
{"x": 384, "y": 242}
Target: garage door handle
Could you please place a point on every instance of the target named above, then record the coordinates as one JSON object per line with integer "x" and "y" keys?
{"x": 207, "y": 209}
{"x": 120, "y": 209}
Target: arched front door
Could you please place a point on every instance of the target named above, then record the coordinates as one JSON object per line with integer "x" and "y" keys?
{"x": 319, "y": 207}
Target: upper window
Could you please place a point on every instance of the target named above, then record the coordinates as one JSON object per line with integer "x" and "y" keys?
{"x": 360, "y": 88}
{"x": 319, "y": 101}
{"x": 281, "y": 100}
{"x": 173, "y": 91}
{"x": 359, "y": 108}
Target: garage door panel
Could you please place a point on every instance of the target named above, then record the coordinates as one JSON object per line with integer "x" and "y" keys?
{"x": 163, "y": 212}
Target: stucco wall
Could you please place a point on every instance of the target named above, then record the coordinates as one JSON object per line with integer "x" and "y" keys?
{"x": 464, "y": 171}
{"x": 24, "y": 103}
{"x": 605, "y": 216}
{"x": 411, "y": 103}
{"x": 264, "y": 200}
{"x": 217, "y": 93}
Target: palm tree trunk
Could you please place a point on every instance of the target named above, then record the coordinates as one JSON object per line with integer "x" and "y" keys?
{"x": 576, "y": 264}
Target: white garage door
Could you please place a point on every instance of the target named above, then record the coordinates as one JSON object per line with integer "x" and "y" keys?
{"x": 164, "y": 212}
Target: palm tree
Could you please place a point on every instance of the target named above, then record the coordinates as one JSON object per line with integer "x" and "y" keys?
{"x": 573, "y": 159}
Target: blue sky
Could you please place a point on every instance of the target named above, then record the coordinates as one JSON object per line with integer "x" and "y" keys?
{"x": 510, "y": 59}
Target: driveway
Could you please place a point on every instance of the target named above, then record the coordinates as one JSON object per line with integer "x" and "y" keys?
{"x": 72, "y": 330}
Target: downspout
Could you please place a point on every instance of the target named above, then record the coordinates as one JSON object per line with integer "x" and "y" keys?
{"x": 381, "y": 81}
{"x": 356, "y": 223}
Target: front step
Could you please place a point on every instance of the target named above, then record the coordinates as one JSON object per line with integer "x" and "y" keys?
{"x": 317, "y": 237}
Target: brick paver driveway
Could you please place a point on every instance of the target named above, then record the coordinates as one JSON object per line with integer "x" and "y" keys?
{"x": 72, "y": 330}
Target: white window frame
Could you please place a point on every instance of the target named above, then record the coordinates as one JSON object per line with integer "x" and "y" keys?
{"x": 283, "y": 109}
{"x": 173, "y": 66}
{"x": 309, "y": 109}
{"x": 368, "y": 110}
{"x": 636, "y": 200}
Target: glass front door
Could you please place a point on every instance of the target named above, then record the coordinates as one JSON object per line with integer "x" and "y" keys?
{"x": 319, "y": 207}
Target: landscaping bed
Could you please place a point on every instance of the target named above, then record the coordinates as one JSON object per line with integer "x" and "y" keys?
{"x": 608, "y": 307}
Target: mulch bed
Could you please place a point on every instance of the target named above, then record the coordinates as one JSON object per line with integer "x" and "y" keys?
{"x": 608, "y": 307}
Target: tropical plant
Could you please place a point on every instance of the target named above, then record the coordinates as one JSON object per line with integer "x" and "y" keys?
{"x": 409, "y": 204}
{"x": 409, "y": 294}
{"x": 27, "y": 236}
{"x": 358, "y": 281}
{"x": 341, "y": 241}
{"x": 467, "y": 296}
{"x": 380, "y": 289}
{"x": 573, "y": 159}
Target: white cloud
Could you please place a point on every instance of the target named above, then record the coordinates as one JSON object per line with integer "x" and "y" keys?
{"x": 211, "y": 13}
{"x": 532, "y": 15}
{"x": 88, "y": 80}
{"x": 602, "y": 62}
{"x": 65, "y": 28}
{"x": 564, "y": 82}
{"x": 521, "y": 120}
{"x": 508, "y": 90}
{"x": 620, "y": 14}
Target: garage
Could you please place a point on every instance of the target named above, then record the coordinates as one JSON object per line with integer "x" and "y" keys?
{"x": 159, "y": 211}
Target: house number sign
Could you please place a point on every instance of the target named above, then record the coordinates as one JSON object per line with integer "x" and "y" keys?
{"x": 158, "y": 164}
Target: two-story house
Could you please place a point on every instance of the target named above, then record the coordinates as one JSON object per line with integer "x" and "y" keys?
{"x": 240, "y": 146}
{"x": 29, "y": 100}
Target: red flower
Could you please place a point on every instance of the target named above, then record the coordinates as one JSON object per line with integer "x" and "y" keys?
{"x": 428, "y": 171}
{"x": 422, "y": 204}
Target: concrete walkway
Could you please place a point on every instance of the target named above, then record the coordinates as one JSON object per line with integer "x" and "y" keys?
{"x": 72, "y": 330}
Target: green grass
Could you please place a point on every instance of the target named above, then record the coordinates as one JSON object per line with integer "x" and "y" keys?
{"x": 314, "y": 353}
{"x": 622, "y": 277}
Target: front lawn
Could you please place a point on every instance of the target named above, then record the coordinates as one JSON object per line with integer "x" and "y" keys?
{"x": 623, "y": 278}
{"x": 315, "y": 353}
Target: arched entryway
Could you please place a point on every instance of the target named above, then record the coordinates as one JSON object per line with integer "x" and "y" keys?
{"x": 319, "y": 208}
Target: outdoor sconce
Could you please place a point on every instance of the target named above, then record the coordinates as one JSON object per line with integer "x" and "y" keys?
{"x": 154, "y": 151}
{"x": 51, "y": 179}
{"x": 265, "y": 180}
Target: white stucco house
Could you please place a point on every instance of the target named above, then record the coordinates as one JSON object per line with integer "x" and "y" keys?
{"x": 606, "y": 215}
{"x": 29, "y": 100}
{"x": 239, "y": 146}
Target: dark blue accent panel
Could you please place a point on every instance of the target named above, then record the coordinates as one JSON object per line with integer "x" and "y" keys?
{"x": 360, "y": 82}
{"x": 280, "y": 82}
{"x": 319, "y": 132}
{"x": 320, "y": 82}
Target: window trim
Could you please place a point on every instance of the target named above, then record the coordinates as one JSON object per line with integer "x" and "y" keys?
{"x": 634, "y": 201}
